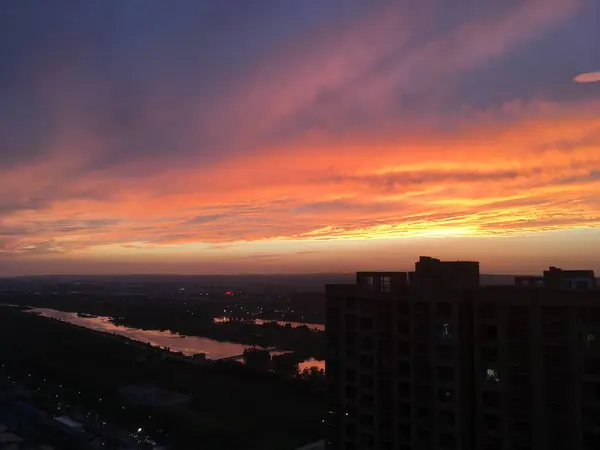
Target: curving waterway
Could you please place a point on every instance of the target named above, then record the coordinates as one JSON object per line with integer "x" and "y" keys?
{"x": 188, "y": 345}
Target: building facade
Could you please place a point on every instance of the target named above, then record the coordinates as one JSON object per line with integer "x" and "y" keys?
{"x": 431, "y": 360}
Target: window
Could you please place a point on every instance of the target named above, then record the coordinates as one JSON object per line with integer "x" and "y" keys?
{"x": 366, "y": 419}
{"x": 351, "y": 321}
{"x": 519, "y": 378}
{"x": 366, "y": 305}
{"x": 553, "y": 312}
{"x": 489, "y": 354}
{"x": 366, "y": 323}
{"x": 404, "y": 328}
{"x": 351, "y": 392}
{"x": 366, "y": 343}
{"x": 491, "y": 421}
{"x": 446, "y": 373}
{"x": 351, "y": 429}
{"x": 518, "y": 312}
{"x": 583, "y": 285}
{"x": 386, "y": 284}
{"x": 404, "y": 411}
{"x": 447, "y": 441}
{"x": 367, "y": 441}
{"x": 591, "y": 440}
{"x": 384, "y": 319}
{"x": 492, "y": 375}
{"x": 590, "y": 340}
{"x": 366, "y": 361}
{"x": 403, "y": 308}
{"x": 491, "y": 399}
{"x": 403, "y": 348}
{"x": 351, "y": 303}
{"x": 591, "y": 416}
{"x": 518, "y": 350}
{"x": 421, "y": 308}
{"x": 423, "y": 393}
{"x": 425, "y": 437}
{"x": 447, "y": 418}
{"x": 423, "y": 413}
{"x": 385, "y": 425}
{"x": 367, "y": 400}
{"x": 523, "y": 427}
{"x": 351, "y": 374}
{"x": 443, "y": 309}
{"x": 591, "y": 365}
{"x": 404, "y": 391}
{"x": 445, "y": 352}
{"x": 492, "y": 444}
{"x": 445, "y": 330}
{"x": 366, "y": 381}
{"x": 421, "y": 330}
{"x": 351, "y": 338}
{"x": 445, "y": 395}
{"x": 518, "y": 331}
{"x": 489, "y": 332}
{"x": 518, "y": 403}
{"x": 487, "y": 311}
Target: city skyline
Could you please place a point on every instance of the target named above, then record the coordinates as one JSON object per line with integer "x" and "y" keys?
{"x": 306, "y": 137}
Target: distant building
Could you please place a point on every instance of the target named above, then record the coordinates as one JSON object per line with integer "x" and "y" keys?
{"x": 556, "y": 278}
{"x": 318, "y": 445}
{"x": 431, "y": 360}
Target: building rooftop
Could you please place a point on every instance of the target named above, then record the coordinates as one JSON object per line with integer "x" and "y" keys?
{"x": 68, "y": 422}
{"x": 319, "y": 445}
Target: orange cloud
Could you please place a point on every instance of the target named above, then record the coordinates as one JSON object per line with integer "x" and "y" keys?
{"x": 590, "y": 77}
{"x": 538, "y": 171}
{"x": 358, "y": 136}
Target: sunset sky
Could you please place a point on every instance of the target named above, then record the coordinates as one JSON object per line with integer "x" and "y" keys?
{"x": 262, "y": 136}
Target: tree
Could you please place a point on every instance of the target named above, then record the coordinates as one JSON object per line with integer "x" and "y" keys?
{"x": 257, "y": 358}
{"x": 285, "y": 364}
{"x": 315, "y": 376}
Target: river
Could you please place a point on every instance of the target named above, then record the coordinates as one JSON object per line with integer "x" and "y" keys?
{"x": 188, "y": 345}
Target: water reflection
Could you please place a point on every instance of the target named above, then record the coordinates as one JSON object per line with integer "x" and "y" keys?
{"x": 189, "y": 345}
{"x": 312, "y": 326}
{"x": 312, "y": 362}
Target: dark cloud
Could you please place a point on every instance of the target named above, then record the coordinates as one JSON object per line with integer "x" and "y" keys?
{"x": 390, "y": 182}
{"x": 206, "y": 218}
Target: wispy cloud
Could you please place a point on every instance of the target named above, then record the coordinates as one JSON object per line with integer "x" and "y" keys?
{"x": 589, "y": 77}
{"x": 306, "y": 123}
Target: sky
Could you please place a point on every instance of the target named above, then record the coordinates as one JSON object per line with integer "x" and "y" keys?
{"x": 267, "y": 136}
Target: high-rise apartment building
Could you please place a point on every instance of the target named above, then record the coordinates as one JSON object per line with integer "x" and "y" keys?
{"x": 537, "y": 363}
{"x": 429, "y": 360}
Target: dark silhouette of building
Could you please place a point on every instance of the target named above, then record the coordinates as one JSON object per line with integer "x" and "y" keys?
{"x": 431, "y": 360}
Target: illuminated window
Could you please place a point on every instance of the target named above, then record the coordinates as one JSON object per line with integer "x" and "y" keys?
{"x": 589, "y": 339}
{"x": 492, "y": 375}
{"x": 445, "y": 330}
{"x": 386, "y": 284}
